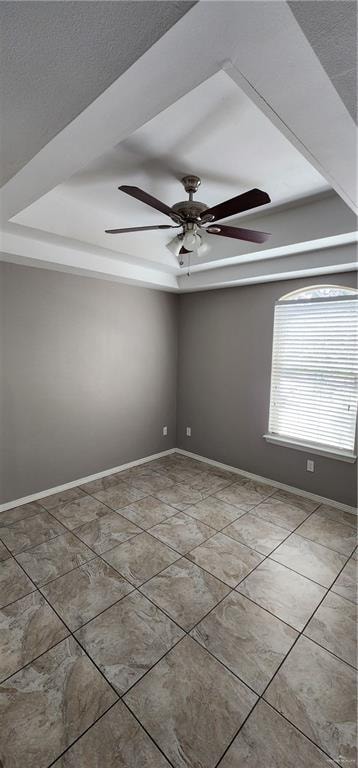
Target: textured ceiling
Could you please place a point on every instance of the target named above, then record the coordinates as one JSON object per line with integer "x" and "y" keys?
{"x": 57, "y": 57}
{"x": 331, "y": 29}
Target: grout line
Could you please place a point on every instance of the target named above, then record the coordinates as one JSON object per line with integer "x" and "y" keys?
{"x": 276, "y": 672}
{"x": 231, "y": 589}
{"x": 70, "y": 634}
{"x": 160, "y": 658}
{"x": 44, "y": 583}
{"x": 338, "y": 552}
{"x": 148, "y": 734}
{"x": 39, "y": 655}
{"x": 298, "y": 573}
{"x": 118, "y": 697}
{"x": 82, "y": 734}
{"x": 38, "y": 544}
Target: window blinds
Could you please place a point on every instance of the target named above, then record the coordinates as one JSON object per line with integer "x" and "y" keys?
{"x": 314, "y": 379}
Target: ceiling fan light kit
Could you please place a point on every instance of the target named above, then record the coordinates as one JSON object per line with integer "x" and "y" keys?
{"x": 194, "y": 217}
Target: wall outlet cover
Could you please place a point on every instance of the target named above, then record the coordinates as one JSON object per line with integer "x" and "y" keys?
{"x": 310, "y": 465}
{"x": 188, "y": 431}
{"x": 165, "y": 431}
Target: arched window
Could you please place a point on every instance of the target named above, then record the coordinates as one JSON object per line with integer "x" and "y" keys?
{"x": 314, "y": 377}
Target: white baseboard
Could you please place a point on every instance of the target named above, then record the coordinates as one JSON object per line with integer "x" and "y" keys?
{"x": 259, "y": 479}
{"x": 235, "y": 470}
{"x": 82, "y": 480}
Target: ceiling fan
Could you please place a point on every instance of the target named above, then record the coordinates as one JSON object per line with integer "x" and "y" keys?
{"x": 194, "y": 218}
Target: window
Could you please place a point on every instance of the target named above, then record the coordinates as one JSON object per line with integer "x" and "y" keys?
{"x": 314, "y": 377}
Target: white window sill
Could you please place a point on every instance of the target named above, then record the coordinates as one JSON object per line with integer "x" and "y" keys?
{"x": 332, "y": 453}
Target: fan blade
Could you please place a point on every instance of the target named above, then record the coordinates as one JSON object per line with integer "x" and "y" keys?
{"x": 140, "y": 229}
{"x": 238, "y": 233}
{"x": 144, "y": 197}
{"x": 244, "y": 202}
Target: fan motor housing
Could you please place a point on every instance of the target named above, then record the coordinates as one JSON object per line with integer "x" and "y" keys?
{"x": 190, "y": 210}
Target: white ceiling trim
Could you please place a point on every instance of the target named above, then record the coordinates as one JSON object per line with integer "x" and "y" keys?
{"x": 38, "y": 253}
{"x": 337, "y": 259}
{"x": 314, "y": 159}
{"x": 284, "y": 250}
{"x": 338, "y": 255}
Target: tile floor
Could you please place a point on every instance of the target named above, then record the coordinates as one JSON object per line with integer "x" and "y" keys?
{"x": 177, "y": 615}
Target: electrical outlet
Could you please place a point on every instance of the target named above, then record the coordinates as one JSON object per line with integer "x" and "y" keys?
{"x": 165, "y": 431}
{"x": 188, "y": 431}
{"x": 310, "y": 465}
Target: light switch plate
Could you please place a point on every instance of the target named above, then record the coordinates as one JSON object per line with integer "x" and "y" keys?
{"x": 188, "y": 431}
{"x": 310, "y": 465}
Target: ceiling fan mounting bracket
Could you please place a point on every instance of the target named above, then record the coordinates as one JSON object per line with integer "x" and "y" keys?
{"x": 191, "y": 184}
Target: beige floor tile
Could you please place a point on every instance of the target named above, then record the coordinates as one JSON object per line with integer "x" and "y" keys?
{"x": 294, "y": 500}
{"x": 102, "y": 483}
{"x": 214, "y": 512}
{"x": 80, "y": 595}
{"x": 338, "y": 515}
{"x": 140, "y": 558}
{"x": 119, "y": 496}
{"x": 64, "y": 497}
{"x": 53, "y": 558}
{"x": 13, "y": 582}
{"x": 225, "y": 558}
{"x": 310, "y": 559}
{"x": 334, "y": 625}
{"x": 256, "y": 533}
{"x": 185, "y": 592}
{"x": 346, "y": 584}
{"x": 280, "y": 512}
{"x": 179, "y": 496}
{"x": 20, "y": 513}
{"x": 208, "y": 482}
{"x": 267, "y": 740}
{"x": 335, "y": 535}
{"x": 48, "y": 704}
{"x": 79, "y": 512}
{"x": 141, "y": 470}
{"x": 150, "y": 482}
{"x": 182, "y": 532}
{"x": 34, "y": 530}
{"x": 107, "y": 530}
{"x": 28, "y": 628}
{"x": 116, "y": 740}
{"x": 4, "y": 553}
{"x": 184, "y": 474}
{"x": 286, "y": 594}
{"x": 148, "y": 511}
{"x": 317, "y": 693}
{"x": 247, "y": 639}
{"x": 245, "y": 493}
{"x": 169, "y": 703}
{"x": 127, "y": 639}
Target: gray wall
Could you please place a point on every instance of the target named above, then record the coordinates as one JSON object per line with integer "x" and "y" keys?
{"x": 88, "y": 376}
{"x": 225, "y": 343}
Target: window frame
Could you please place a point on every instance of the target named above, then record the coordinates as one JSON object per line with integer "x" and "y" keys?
{"x": 307, "y": 446}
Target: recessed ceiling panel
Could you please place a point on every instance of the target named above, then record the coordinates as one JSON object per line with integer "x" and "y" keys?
{"x": 216, "y": 132}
